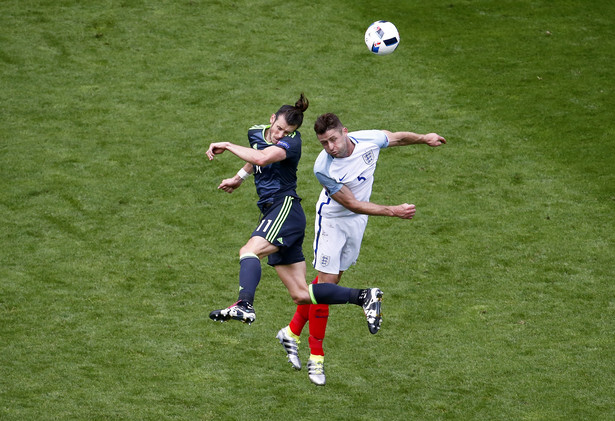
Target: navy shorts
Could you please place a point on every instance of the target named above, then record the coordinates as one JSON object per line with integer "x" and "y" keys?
{"x": 283, "y": 225}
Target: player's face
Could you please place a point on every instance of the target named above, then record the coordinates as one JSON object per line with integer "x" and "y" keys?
{"x": 279, "y": 129}
{"x": 336, "y": 143}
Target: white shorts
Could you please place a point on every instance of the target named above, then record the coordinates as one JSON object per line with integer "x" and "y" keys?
{"x": 337, "y": 242}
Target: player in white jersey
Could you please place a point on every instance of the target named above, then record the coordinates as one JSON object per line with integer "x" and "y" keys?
{"x": 339, "y": 230}
{"x": 345, "y": 169}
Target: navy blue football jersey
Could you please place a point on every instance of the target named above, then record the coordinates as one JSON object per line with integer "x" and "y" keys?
{"x": 279, "y": 179}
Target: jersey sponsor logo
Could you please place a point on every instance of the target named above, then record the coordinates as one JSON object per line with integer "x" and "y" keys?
{"x": 368, "y": 157}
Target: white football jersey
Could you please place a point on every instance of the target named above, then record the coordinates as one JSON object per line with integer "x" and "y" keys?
{"x": 355, "y": 171}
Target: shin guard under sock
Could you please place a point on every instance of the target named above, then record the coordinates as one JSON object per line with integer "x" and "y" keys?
{"x": 300, "y": 318}
{"x": 319, "y": 315}
{"x": 333, "y": 294}
{"x": 249, "y": 276}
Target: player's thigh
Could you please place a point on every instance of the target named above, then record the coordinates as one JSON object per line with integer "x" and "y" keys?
{"x": 354, "y": 228}
{"x": 259, "y": 246}
{"x": 329, "y": 241}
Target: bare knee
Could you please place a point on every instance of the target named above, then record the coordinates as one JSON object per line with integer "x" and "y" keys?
{"x": 259, "y": 247}
{"x": 329, "y": 278}
{"x": 301, "y": 297}
{"x": 244, "y": 250}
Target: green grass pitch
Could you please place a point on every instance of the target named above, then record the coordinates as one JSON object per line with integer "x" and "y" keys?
{"x": 115, "y": 244}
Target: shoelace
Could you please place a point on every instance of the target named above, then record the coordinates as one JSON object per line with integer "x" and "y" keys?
{"x": 317, "y": 368}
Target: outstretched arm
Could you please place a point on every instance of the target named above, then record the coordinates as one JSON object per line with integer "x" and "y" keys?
{"x": 253, "y": 156}
{"x": 410, "y": 138}
{"x": 346, "y": 198}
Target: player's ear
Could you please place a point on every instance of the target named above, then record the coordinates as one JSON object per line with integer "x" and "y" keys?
{"x": 272, "y": 119}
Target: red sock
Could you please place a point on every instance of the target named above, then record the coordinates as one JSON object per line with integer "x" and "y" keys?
{"x": 319, "y": 315}
{"x": 301, "y": 316}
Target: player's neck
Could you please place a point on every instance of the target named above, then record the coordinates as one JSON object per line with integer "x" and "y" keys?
{"x": 350, "y": 148}
{"x": 267, "y": 136}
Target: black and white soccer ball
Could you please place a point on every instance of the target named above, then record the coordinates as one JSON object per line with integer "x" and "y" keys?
{"x": 382, "y": 37}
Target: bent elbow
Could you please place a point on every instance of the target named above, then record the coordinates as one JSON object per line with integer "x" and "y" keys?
{"x": 261, "y": 162}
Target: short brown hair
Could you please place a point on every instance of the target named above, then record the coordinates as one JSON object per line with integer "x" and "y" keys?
{"x": 326, "y": 122}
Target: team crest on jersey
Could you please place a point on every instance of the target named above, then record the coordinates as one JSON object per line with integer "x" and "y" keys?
{"x": 368, "y": 157}
{"x": 324, "y": 260}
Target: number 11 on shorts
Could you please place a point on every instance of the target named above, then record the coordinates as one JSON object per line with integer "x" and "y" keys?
{"x": 260, "y": 226}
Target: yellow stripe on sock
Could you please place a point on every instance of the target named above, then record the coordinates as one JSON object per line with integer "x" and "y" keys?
{"x": 312, "y": 294}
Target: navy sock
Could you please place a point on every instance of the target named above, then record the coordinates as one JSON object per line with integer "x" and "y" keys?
{"x": 249, "y": 276}
{"x": 334, "y": 294}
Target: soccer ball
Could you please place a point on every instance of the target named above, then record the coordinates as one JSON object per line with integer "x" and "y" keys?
{"x": 382, "y": 37}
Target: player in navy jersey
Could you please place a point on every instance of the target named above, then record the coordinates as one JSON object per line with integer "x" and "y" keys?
{"x": 345, "y": 169}
{"x": 273, "y": 157}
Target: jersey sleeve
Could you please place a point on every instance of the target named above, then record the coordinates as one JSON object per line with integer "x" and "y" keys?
{"x": 292, "y": 145}
{"x": 377, "y": 137}
{"x": 321, "y": 171}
